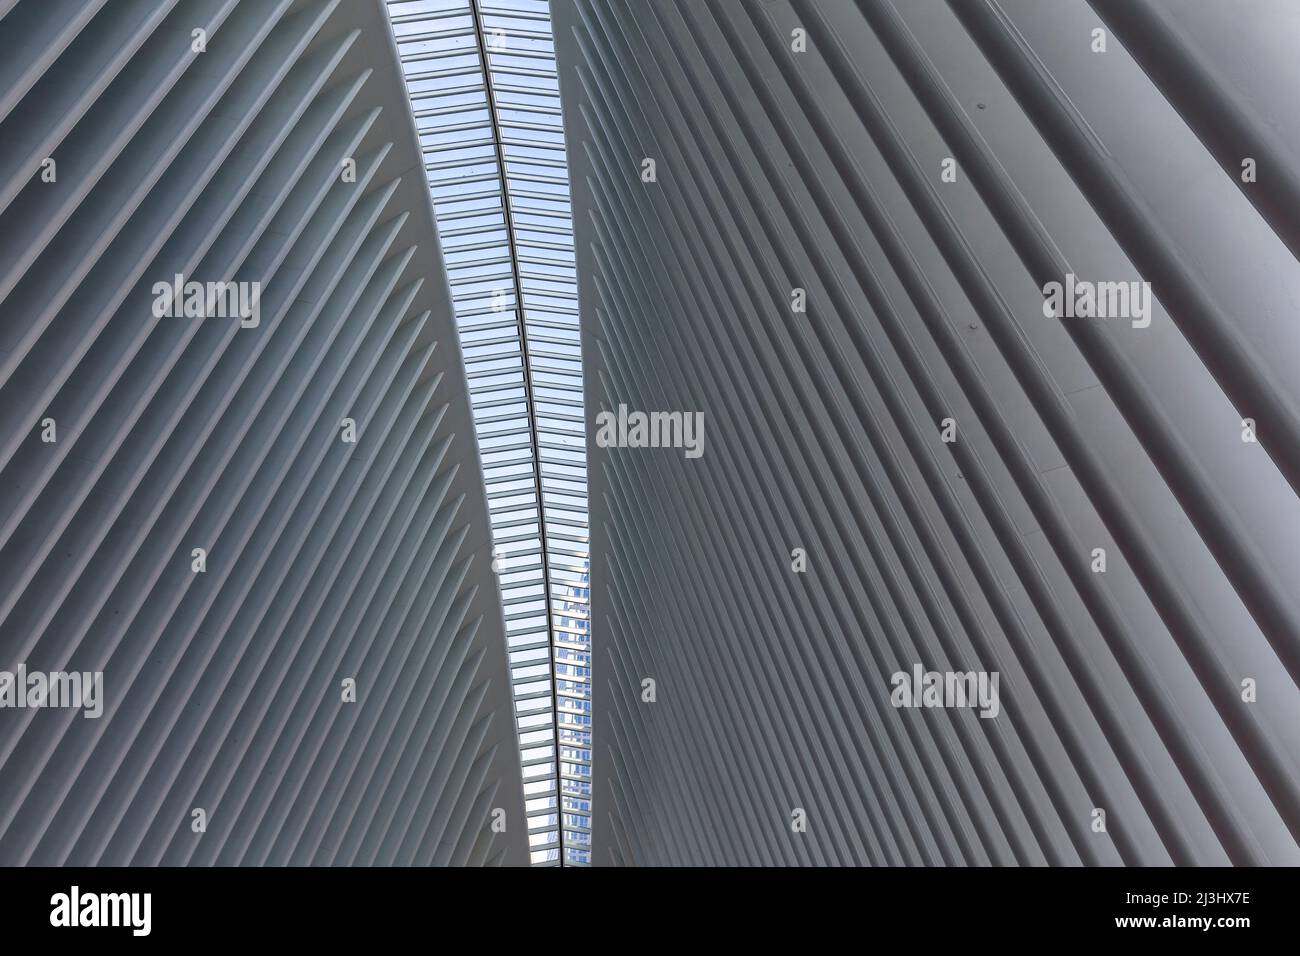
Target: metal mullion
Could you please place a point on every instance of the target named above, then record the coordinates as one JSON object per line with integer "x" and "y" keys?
{"x": 472, "y": 246}
{"x": 557, "y": 357}
{"x": 534, "y": 178}
{"x": 579, "y": 450}
{"x": 550, "y": 74}
{"x": 451, "y": 108}
{"x": 558, "y": 362}
{"x": 546, "y": 339}
{"x": 534, "y": 126}
{"x": 550, "y": 245}
{"x": 540, "y": 92}
{"x": 452, "y": 181}
{"x": 525, "y": 53}
{"x": 551, "y": 324}
{"x": 448, "y": 73}
{"x": 567, "y": 522}
{"x": 548, "y": 389}
{"x": 484, "y": 11}
{"x": 533, "y": 108}
{"x": 505, "y": 492}
{"x": 573, "y": 599}
{"x": 556, "y": 436}
{"x": 547, "y": 214}
{"x": 475, "y": 197}
{"x": 493, "y": 419}
{"x": 523, "y": 34}
{"x": 563, "y": 293}
{"x": 554, "y": 310}
{"x": 567, "y": 551}
{"x": 423, "y": 15}
{"x": 579, "y": 511}
{"x": 529, "y": 516}
{"x": 452, "y": 128}
{"x": 468, "y": 213}
{"x": 508, "y": 127}
{"x": 577, "y": 615}
{"x": 536, "y": 761}
{"x": 549, "y": 230}
{"x": 541, "y": 631}
{"x": 473, "y": 280}
{"x": 565, "y": 388}
{"x": 481, "y": 360}
{"x": 513, "y": 447}
{"x": 547, "y": 197}
{"x": 557, "y": 410}
{"x": 491, "y": 373}
{"x": 490, "y": 261}
{"x": 570, "y": 560}
{"x": 493, "y": 403}
{"x": 537, "y": 261}
{"x": 444, "y": 93}
{"x": 462, "y": 143}
{"x": 543, "y": 644}
{"x": 558, "y": 368}
{"x": 456, "y": 232}
{"x": 481, "y": 343}
{"x": 453, "y": 163}
{"x": 514, "y": 681}
{"x": 519, "y": 539}
{"x": 491, "y": 326}
{"x": 533, "y": 160}
{"x": 525, "y": 698}
{"x": 533, "y": 518}
{"x": 448, "y": 34}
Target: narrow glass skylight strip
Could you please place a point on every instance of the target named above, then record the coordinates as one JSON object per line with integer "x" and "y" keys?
{"x": 494, "y": 155}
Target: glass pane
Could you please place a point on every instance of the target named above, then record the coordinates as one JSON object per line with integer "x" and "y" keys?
{"x": 486, "y": 101}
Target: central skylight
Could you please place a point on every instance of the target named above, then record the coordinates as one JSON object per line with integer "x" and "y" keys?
{"x": 485, "y": 95}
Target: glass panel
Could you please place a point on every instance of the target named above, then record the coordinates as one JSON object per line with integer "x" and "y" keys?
{"x": 482, "y": 80}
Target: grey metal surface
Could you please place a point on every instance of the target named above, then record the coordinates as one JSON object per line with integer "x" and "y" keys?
{"x": 326, "y": 560}
{"x": 1121, "y": 690}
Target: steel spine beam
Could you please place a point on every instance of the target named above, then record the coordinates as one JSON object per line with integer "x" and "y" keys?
{"x": 822, "y": 170}
{"x": 276, "y": 148}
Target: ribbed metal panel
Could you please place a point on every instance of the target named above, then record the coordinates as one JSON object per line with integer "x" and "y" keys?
{"x": 326, "y": 559}
{"x": 822, "y": 170}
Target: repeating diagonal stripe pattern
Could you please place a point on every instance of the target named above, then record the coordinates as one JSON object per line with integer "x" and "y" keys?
{"x": 267, "y": 528}
{"x": 914, "y": 460}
